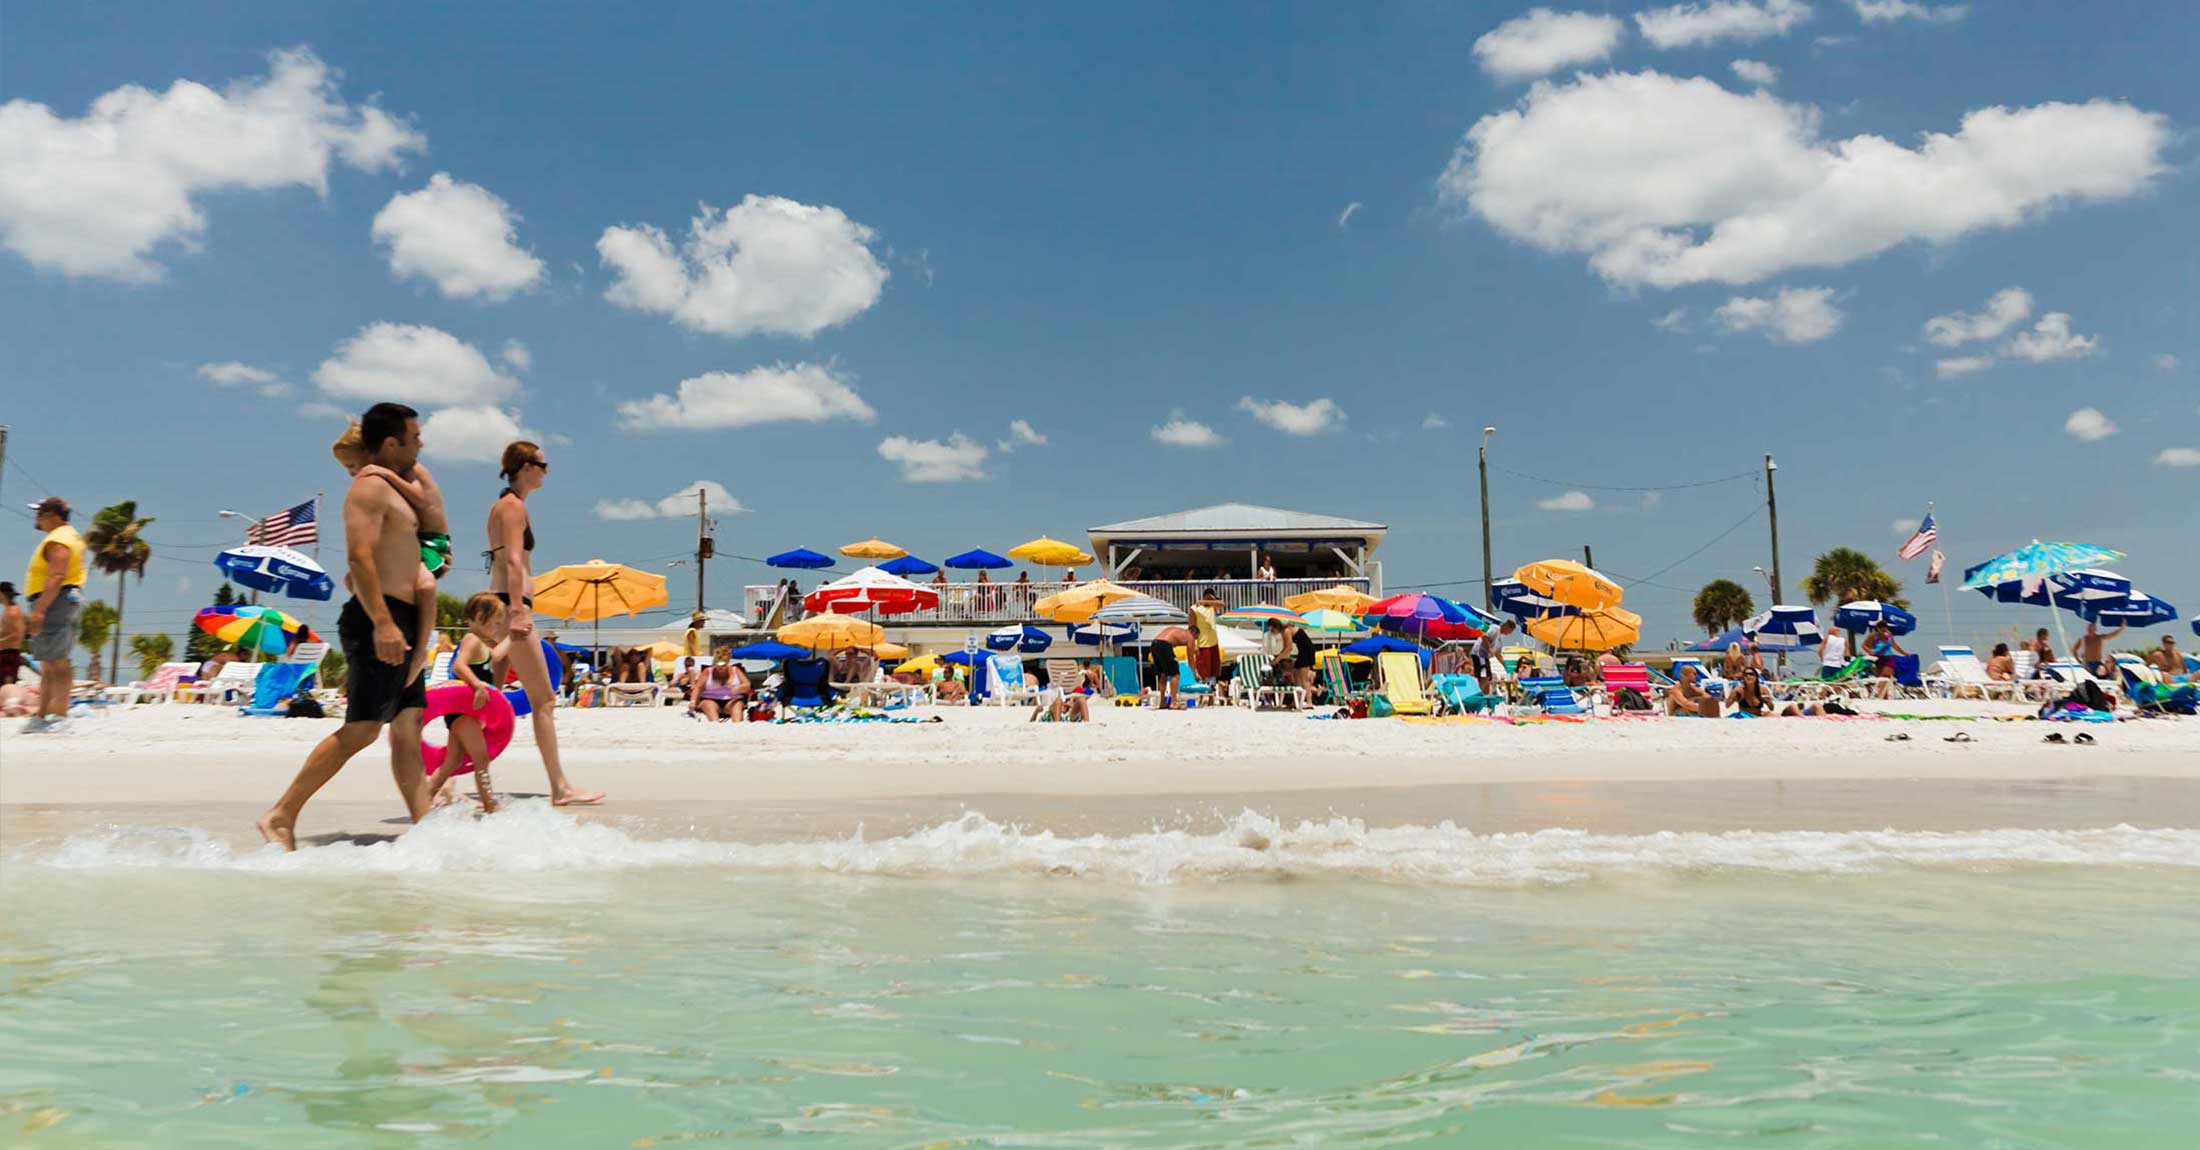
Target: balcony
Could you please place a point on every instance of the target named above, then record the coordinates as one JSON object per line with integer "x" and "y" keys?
{"x": 997, "y": 604}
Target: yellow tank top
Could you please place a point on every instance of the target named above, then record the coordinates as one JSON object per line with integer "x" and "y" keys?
{"x": 34, "y": 580}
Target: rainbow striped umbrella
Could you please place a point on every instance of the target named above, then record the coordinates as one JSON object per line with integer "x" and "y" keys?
{"x": 1260, "y": 613}
{"x": 251, "y": 628}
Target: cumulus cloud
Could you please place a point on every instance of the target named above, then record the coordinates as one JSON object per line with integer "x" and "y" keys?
{"x": 102, "y": 194}
{"x": 1961, "y": 365}
{"x": 470, "y": 434}
{"x": 1570, "y": 501}
{"x": 1664, "y": 181}
{"x": 413, "y": 364}
{"x": 766, "y": 265}
{"x": 931, "y": 461}
{"x": 2006, "y": 309}
{"x": 679, "y": 503}
{"x": 1182, "y": 432}
{"x": 459, "y": 237}
{"x": 1756, "y": 72}
{"x": 1675, "y": 320}
{"x": 1888, "y": 11}
{"x": 1295, "y": 418}
{"x": 1434, "y": 422}
{"x": 1020, "y": 434}
{"x": 2050, "y": 339}
{"x": 2089, "y": 425}
{"x": 516, "y": 356}
{"x": 1903, "y": 528}
{"x": 1687, "y": 25}
{"x": 231, "y": 373}
{"x": 781, "y": 393}
{"x": 2166, "y": 362}
{"x": 1791, "y": 315}
{"x": 1540, "y": 40}
{"x": 2179, "y": 457}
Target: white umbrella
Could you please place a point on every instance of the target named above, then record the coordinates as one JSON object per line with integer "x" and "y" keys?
{"x": 1237, "y": 642}
{"x": 867, "y": 588}
{"x": 715, "y": 619}
{"x": 1139, "y": 609}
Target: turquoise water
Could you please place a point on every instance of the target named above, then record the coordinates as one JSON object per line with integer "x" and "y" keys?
{"x": 528, "y": 981}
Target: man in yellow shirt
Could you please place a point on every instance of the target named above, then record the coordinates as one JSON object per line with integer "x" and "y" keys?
{"x": 54, "y": 583}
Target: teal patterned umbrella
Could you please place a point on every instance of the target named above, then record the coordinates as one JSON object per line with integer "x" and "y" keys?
{"x": 2037, "y": 561}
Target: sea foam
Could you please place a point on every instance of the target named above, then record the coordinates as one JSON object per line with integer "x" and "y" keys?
{"x": 531, "y": 836}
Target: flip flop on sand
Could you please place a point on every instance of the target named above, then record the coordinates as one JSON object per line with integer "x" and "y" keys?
{"x": 2055, "y": 737}
{"x": 1958, "y": 737}
{"x": 1898, "y": 737}
{"x": 2083, "y": 739}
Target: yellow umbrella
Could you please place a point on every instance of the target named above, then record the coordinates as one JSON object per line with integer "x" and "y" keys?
{"x": 1050, "y": 553}
{"x": 596, "y": 589}
{"x": 890, "y": 651}
{"x": 1570, "y": 583}
{"x": 1077, "y": 604}
{"x": 664, "y": 652}
{"x": 1349, "y": 600}
{"x": 1598, "y": 630}
{"x": 832, "y": 632}
{"x": 921, "y": 665}
{"x": 873, "y": 548}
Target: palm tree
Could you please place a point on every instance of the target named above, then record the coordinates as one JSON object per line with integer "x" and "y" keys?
{"x": 93, "y": 626}
{"x": 1721, "y": 604}
{"x": 114, "y": 547}
{"x": 1845, "y": 574}
{"x": 151, "y": 652}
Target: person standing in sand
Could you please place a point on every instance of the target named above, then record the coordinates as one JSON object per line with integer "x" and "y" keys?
{"x": 11, "y": 635}
{"x": 511, "y": 578}
{"x": 55, "y": 582}
{"x": 2093, "y": 651}
{"x": 379, "y": 627}
{"x": 1207, "y": 638}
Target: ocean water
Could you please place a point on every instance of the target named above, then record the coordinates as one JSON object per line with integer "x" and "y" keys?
{"x": 536, "y": 980}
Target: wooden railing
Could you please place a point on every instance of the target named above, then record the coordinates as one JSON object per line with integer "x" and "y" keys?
{"x": 1002, "y": 603}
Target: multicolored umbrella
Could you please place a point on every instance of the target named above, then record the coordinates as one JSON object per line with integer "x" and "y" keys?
{"x": 1428, "y": 616}
{"x": 1138, "y": 609}
{"x": 800, "y": 559}
{"x": 1260, "y": 613}
{"x": 1600, "y": 629}
{"x": 2038, "y": 560}
{"x": 254, "y": 628}
{"x": 1324, "y": 619}
{"x": 1570, "y": 583}
{"x": 2071, "y": 589}
{"x": 282, "y": 570}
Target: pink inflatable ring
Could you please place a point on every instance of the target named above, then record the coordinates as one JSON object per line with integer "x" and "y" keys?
{"x": 495, "y": 716}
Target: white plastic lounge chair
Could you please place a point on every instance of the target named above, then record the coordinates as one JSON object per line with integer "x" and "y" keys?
{"x": 160, "y": 688}
{"x": 1006, "y": 686}
{"x": 236, "y": 679}
{"x": 1961, "y": 671}
{"x": 630, "y": 695}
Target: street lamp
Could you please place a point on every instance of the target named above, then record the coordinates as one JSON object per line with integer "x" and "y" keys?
{"x": 1489, "y": 597}
{"x": 1769, "y": 588}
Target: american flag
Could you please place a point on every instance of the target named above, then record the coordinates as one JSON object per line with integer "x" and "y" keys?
{"x": 294, "y": 527}
{"x": 1926, "y": 536}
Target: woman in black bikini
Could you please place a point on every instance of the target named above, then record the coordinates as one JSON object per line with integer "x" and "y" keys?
{"x": 511, "y": 556}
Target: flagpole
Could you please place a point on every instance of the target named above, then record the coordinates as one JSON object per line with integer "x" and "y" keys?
{"x": 1947, "y": 598}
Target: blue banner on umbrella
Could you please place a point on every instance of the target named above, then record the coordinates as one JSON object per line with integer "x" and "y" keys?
{"x": 1864, "y": 614}
{"x": 280, "y": 570}
{"x": 1784, "y": 628}
{"x": 1020, "y": 637}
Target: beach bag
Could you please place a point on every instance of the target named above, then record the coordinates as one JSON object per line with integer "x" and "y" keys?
{"x": 2089, "y": 694}
{"x": 1379, "y": 708}
{"x": 1629, "y": 699}
{"x": 304, "y": 706}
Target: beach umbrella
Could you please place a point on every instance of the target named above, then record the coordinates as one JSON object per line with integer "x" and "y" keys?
{"x": 1377, "y": 644}
{"x": 1079, "y": 603}
{"x": 1096, "y": 634}
{"x": 832, "y": 632}
{"x": 254, "y": 628}
{"x": 1515, "y": 599}
{"x": 1732, "y": 636}
{"x": 2070, "y": 589}
{"x": 2196, "y": 626}
{"x": 1784, "y": 628}
{"x": 978, "y": 559}
{"x": 1138, "y": 608}
{"x": 1350, "y": 600}
{"x": 1570, "y": 583}
{"x": 1019, "y": 636}
{"x": 281, "y": 570}
{"x": 2137, "y": 609}
{"x": 884, "y": 651}
{"x": 596, "y": 589}
{"x": 1864, "y": 614}
{"x": 964, "y": 658}
{"x": 1325, "y": 619}
{"x": 873, "y": 548}
{"x": 663, "y": 652}
{"x": 715, "y": 619}
{"x": 868, "y": 588}
{"x": 906, "y": 566}
{"x": 800, "y": 559}
{"x": 921, "y": 665}
{"x": 1234, "y": 641}
{"x": 1045, "y": 552}
{"x": 1600, "y": 629}
{"x": 1260, "y": 613}
{"x": 2038, "y": 560}
{"x": 1427, "y": 616}
{"x": 765, "y": 649}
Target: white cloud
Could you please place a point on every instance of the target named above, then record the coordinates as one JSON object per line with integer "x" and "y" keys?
{"x": 1346, "y": 215}
{"x": 2179, "y": 457}
{"x": 470, "y": 434}
{"x": 101, "y": 194}
{"x": 459, "y": 237}
{"x": 1903, "y": 528}
{"x": 1182, "y": 432}
{"x": 322, "y": 409}
{"x": 1675, "y": 320}
{"x": 2006, "y": 309}
{"x": 1666, "y": 181}
{"x": 1961, "y": 366}
{"x": 1792, "y": 315}
{"x": 1570, "y": 501}
{"x": 230, "y": 373}
{"x": 765, "y": 265}
{"x": 1020, "y": 434}
{"x": 1652, "y": 500}
{"x": 2050, "y": 339}
{"x": 2166, "y": 362}
{"x": 679, "y": 503}
{"x": 1756, "y": 72}
{"x": 781, "y": 393}
{"x": 1540, "y": 40}
{"x": 1295, "y": 418}
{"x": 1686, "y": 25}
{"x": 2089, "y": 425}
{"x": 1434, "y": 422}
{"x": 516, "y": 356}
{"x": 1888, "y": 11}
{"x": 415, "y": 364}
{"x": 931, "y": 461}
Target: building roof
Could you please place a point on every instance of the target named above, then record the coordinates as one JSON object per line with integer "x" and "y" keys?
{"x": 1236, "y": 519}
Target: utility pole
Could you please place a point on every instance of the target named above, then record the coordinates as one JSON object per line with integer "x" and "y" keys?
{"x": 703, "y": 548}
{"x": 1587, "y": 560}
{"x": 1489, "y": 597}
{"x": 1772, "y": 512}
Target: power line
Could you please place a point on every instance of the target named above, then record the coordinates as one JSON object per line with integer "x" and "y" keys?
{"x": 1735, "y": 478}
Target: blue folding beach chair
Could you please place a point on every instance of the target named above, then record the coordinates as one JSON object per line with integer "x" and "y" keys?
{"x": 1552, "y": 696}
{"x": 1462, "y": 694}
{"x": 274, "y": 686}
{"x": 1122, "y": 673}
{"x": 806, "y": 685}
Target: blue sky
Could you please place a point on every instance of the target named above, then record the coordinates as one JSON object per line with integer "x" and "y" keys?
{"x": 1101, "y": 224}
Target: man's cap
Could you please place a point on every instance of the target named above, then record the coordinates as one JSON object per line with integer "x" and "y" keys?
{"x": 52, "y": 503}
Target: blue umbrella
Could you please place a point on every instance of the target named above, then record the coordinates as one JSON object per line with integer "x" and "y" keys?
{"x": 1784, "y": 628}
{"x": 276, "y": 569}
{"x": 801, "y": 559}
{"x": 1097, "y": 634}
{"x": 1720, "y": 641}
{"x": 978, "y": 560}
{"x": 964, "y": 658}
{"x": 1019, "y": 637}
{"x": 1516, "y": 599}
{"x": 1864, "y": 614}
{"x": 2137, "y": 609}
{"x": 768, "y": 649}
{"x": 906, "y": 566}
{"x": 2037, "y": 559}
{"x": 1377, "y": 644}
{"x": 2071, "y": 589}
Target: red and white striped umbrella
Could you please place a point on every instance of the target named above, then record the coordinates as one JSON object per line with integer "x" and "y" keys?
{"x": 868, "y": 589}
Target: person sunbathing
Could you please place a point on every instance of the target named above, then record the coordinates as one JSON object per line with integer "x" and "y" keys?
{"x": 1687, "y": 697}
{"x": 721, "y": 695}
{"x": 1751, "y": 698}
{"x": 2001, "y": 666}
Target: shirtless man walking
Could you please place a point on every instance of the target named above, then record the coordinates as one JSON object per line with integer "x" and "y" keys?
{"x": 378, "y": 629}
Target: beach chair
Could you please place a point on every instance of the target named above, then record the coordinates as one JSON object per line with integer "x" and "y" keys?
{"x": 1458, "y": 693}
{"x": 2066, "y": 674}
{"x": 1256, "y": 686}
{"x": 1336, "y": 679}
{"x": 1961, "y": 671}
{"x": 1401, "y": 683}
{"x": 1005, "y": 683}
{"x": 273, "y": 687}
{"x": 2148, "y": 691}
{"x": 159, "y": 688}
{"x": 1122, "y": 673}
{"x": 805, "y": 686}
{"x": 631, "y": 695}
{"x": 1550, "y": 695}
{"x": 439, "y": 668}
{"x": 1626, "y": 677}
{"x": 235, "y": 679}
